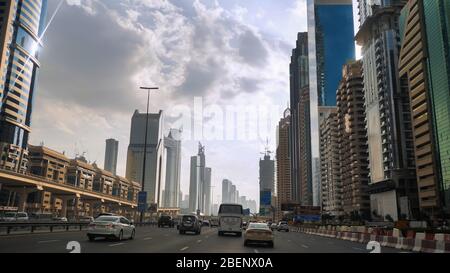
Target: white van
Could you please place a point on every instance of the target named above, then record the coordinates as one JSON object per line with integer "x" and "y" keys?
{"x": 230, "y": 219}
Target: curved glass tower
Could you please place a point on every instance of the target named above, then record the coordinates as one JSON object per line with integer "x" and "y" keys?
{"x": 21, "y": 26}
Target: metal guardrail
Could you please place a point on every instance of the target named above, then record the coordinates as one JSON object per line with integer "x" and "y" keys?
{"x": 34, "y": 226}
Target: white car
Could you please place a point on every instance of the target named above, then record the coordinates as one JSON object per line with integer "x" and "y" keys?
{"x": 258, "y": 233}
{"x": 16, "y": 217}
{"x": 116, "y": 227}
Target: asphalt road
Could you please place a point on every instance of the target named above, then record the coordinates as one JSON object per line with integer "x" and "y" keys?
{"x": 165, "y": 240}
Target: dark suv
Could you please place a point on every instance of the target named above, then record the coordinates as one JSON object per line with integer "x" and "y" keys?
{"x": 190, "y": 223}
{"x": 166, "y": 221}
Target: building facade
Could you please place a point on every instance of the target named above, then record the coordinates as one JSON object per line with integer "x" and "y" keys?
{"x": 172, "y": 145}
{"x": 424, "y": 70}
{"x": 330, "y": 165}
{"x": 352, "y": 138}
{"x": 155, "y": 152}
{"x": 300, "y": 119}
{"x": 21, "y": 26}
{"x": 330, "y": 45}
{"x": 393, "y": 186}
{"x": 111, "y": 154}
{"x": 283, "y": 160}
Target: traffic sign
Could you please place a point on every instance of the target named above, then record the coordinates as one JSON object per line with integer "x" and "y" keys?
{"x": 142, "y": 201}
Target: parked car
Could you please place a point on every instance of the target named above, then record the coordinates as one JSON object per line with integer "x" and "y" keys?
{"x": 258, "y": 233}
{"x": 16, "y": 217}
{"x": 166, "y": 221}
{"x": 60, "y": 219}
{"x": 116, "y": 227}
{"x": 283, "y": 226}
{"x": 86, "y": 219}
{"x": 190, "y": 223}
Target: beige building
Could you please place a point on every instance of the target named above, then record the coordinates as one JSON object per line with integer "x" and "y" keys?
{"x": 352, "y": 137}
{"x": 331, "y": 190}
{"x": 283, "y": 161}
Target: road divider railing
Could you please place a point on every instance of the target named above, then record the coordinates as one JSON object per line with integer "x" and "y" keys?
{"x": 32, "y": 227}
{"x": 417, "y": 242}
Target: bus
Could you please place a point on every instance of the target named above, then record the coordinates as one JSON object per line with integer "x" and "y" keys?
{"x": 231, "y": 219}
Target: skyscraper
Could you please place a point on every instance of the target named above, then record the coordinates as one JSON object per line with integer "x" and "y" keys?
{"x": 200, "y": 183}
{"x": 425, "y": 75}
{"x": 352, "y": 138}
{"x": 155, "y": 147}
{"x": 299, "y": 143}
{"x": 330, "y": 165}
{"x": 393, "y": 185}
{"x": 331, "y": 45}
{"x": 226, "y": 189}
{"x": 172, "y": 145}
{"x": 111, "y": 153}
{"x": 21, "y": 28}
{"x": 284, "y": 187}
{"x": 266, "y": 183}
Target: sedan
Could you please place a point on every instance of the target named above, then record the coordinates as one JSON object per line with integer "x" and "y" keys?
{"x": 116, "y": 227}
{"x": 258, "y": 233}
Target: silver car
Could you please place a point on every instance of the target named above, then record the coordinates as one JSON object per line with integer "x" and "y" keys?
{"x": 116, "y": 227}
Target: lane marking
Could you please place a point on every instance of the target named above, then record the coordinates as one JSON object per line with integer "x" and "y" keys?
{"x": 149, "y": 238}
{"x": 256, "y": 251}
{"x": 357, "y": 248}
{"x": 48, "y": 241}
{"x": 289, "y": 241}
{"x": 118, "y": 244}
{"x": 184, "y": 248}
{"x": 199, "y": 241}
{"x": 166, "y": 235}
{"x": 305, "y": 246}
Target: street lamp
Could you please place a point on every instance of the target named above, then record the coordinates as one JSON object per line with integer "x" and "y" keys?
{"x": 148, "y": 89}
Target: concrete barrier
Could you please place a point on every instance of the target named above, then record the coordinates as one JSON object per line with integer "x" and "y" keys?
{"x": 392, "y": 242}
{"x": 355, "y": 237}
{"x": 418, "y": 242}
{"x": 429, "y": 246}
{"x": 384, "y": 241}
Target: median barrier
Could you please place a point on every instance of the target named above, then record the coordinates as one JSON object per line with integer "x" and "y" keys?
{"x": 418, "y": 242}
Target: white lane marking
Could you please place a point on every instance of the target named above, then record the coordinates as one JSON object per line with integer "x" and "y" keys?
{"x": 149, "y": 238}
{"x": 118, "y": 244}
{"x": 206, "y": 237}
{"x": 199, "y": 241}
{"x": 166, "y": 235}
{"x": 289, "y": 241}
{"x": 184, "y": 248}
{"x": 48, "y": 241}
{"x": 305, "y": 246}
{"x": 256, "y": 251}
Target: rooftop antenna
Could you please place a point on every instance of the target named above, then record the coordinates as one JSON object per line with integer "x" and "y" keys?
{"x": 267, "y": 151}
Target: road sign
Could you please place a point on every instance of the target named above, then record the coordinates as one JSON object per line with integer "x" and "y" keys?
{"x": 142, "y": 201}
{"x": 265, "y": 198}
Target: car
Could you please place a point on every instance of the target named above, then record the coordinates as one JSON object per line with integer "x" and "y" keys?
{"x": 190, "y": 223}
{"x": 283, "y": 226}
{"x": 230, "y": 219}
{"x": 60, "y": 219}
{"x": 214, "y": 223}
{"x": 205, "y": 223}
{"x": 244, "y": 225}
{"x": 16, "y": 217}
{"x": 166, "y": 221}
{"x": 106, "y": 214}
{"x": 274, "y": 226}
{"x": 86, "y": 219}
{"x": 258, "y": 233}
{"x": 114, "y": 227}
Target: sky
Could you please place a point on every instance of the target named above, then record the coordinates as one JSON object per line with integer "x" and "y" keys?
{"x": 207, "y": 56}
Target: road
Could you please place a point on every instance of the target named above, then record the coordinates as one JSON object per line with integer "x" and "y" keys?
{"x": 165, "y": 240}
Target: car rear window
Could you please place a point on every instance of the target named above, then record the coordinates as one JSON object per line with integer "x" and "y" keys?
{"x": 188, "y": 218}
{"x": 231, "y": 209}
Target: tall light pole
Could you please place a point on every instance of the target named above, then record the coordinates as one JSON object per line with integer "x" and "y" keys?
{"x": 148, "y": 89}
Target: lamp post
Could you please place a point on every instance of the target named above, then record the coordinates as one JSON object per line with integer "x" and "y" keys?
{"x": 148, "y": 89}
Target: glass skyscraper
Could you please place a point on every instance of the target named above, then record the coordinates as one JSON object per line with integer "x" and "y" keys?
{"x": 21, "y": 27}
{"x": 331, "y": 45}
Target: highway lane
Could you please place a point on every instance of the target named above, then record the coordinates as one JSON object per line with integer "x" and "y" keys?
{"x": 166, "y": 240}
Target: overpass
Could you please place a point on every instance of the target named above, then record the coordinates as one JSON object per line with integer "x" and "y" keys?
{"x": 24, "y": 184}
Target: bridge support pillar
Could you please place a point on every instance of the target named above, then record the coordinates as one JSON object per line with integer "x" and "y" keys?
{"x": 23, "y": 196}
